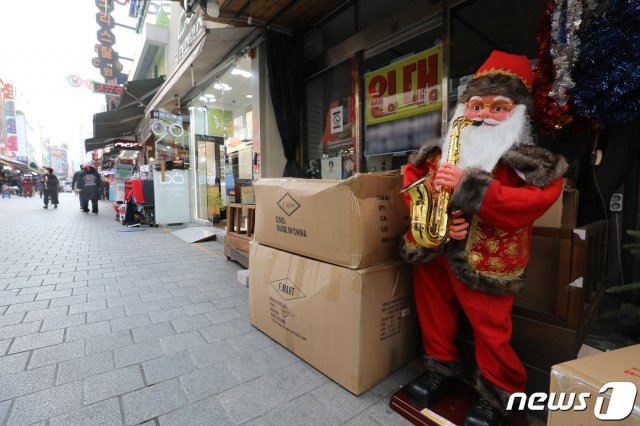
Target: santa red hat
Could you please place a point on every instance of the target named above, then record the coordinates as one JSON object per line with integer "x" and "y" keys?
{"x": 502, "y": 74}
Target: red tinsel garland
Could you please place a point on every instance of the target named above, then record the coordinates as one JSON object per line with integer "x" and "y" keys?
{"x": 549, "y": 116}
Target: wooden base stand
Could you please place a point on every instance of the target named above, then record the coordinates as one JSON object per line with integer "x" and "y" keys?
{"x": 236, "y": 242}
{"x": 450, "y": 410}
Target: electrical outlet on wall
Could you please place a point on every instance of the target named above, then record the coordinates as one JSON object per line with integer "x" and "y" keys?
{"x": 615, "y": 203}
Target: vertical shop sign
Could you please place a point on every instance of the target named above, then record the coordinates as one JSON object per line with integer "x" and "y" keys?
{"x": 107, "y": 59}
{"x": 10, "y": 125}
{"x": 404, "y": 89}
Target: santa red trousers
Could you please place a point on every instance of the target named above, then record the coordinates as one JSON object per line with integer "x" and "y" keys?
{"x": 439, "y": 296}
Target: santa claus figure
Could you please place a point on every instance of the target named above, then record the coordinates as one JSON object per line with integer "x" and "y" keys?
{"x": 500, "y": 186}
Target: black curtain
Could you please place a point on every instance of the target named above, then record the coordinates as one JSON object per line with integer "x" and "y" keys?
{"x": 284, "y": 64}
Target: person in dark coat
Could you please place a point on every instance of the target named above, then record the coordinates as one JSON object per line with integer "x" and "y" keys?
{"x": 74, "y": 184}
{"x": 50, "y": 184}
{"x": 89, "y": 184}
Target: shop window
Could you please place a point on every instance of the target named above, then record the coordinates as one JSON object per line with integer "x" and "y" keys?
{"x": 224, "y": 149}
{"x": 329, "y": 144}
{"x": 402, "y": 100}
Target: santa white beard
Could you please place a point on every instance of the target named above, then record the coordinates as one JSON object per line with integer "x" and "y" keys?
{"x": 483, "y": 146}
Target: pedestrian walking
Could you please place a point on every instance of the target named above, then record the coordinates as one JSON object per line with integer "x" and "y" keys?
{"x": 105, "y": 189}
{"x": 89, "y": 184}
{"x": 74, "y": 184}
{"x": 50, "y": 184}
{"x": 27, "y": 187}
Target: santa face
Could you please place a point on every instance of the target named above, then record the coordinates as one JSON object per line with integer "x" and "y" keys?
{"x": 483, "y": 146}
{"x": 490, "y": 109}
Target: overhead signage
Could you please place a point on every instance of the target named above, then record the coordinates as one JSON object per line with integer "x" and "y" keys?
{"x": 404, "y": 89}
{"x": 210, "y": 138}
{"x": 128, "y": 146}
{"x": 108, "y": 59}
{"x": 189, "y": 30}
{"x": 107, "y": 89}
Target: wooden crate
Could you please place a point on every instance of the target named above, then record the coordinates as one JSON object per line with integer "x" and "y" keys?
{"x": 239, "y": 232}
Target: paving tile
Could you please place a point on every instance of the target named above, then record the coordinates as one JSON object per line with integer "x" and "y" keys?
{"x": 16, "y": 330}
{"x": 133, "y": 321}
{"x": 153, "y": 401}
{"x": 88, "y": 307}
{"x": 229, "y": 302}
{"x": 251, "y": 365}
{"x": 13, "y": 363}
{"x": 53, "y": 294}
{"x": 168, "y": 367}
{"x": 152, "y": 332}
{"x": 210, "y": 381}
{"x": 112, "y": 383}
{"x": 46, "y": 313}
{"x": 342, "y": 403}
{"x": 25, "y": 307}
{"x": 69, "y": 300}
{"x": 39, "y": 289}
{"x": 202, "y": 413}
{"x": 4, "y": 410}
{"x": 105, "y": 314}
{"x": 24, "y": 382}
{"x": 247, "y": 400}
{"x": 254, "y": 340}
{"x": 46, "y": 403}
{"x": 88, "y": 330}
{"x": 108, "y": 342}
{"x": 34, "y": 341}
{"x": 182, "y": 341}
{"x": 87, "y": 366}
{"x": 304, "y": 407}
{"x": 10, "y": 300}
{"x": 106, "y": 413}
{"x": 11, "y": 319}
{"x": 123, "y": 301}
{"x": 134, "y": 354}
{"x": 63, "y": 322}
{"x": 167, "y": 314}
{"x": 220, "y": 331}
{"x": 222, "y": 315}
{"x": 200, "y": 308}
{"x": 190, "y": 323}
{"x": 57, "y": 353}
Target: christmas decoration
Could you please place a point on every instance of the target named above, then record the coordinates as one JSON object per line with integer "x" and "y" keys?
{"x": 607, "y": 72}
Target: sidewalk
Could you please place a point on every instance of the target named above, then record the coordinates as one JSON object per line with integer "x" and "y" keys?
{"x": 105, "y": 327}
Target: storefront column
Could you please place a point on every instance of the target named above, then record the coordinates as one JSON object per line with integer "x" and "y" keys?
{"x": 265, "y": 130}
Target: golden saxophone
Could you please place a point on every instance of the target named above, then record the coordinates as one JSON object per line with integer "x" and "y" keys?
{"x": 429, "y": 213}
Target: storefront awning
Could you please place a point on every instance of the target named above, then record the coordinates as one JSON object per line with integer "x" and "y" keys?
{"x": 207, "y": 52}
{"x": 138, "y": 92}
{"x": 119, "y": 122}
{"x": 93, "y": 144}
{"x": 15, "y": 164}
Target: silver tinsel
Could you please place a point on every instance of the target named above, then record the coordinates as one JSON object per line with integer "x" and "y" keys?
{"x": 565, "y": 21}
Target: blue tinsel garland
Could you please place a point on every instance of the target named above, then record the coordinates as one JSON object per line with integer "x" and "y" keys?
{"x": 607, "y": 72}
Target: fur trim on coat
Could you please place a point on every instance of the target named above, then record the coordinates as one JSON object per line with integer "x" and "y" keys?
{"x": 413, "y": 253}
{"x": 497, "y": 396}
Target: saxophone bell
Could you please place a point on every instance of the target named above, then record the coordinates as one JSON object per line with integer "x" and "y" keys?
{"x": 430, "y": 210}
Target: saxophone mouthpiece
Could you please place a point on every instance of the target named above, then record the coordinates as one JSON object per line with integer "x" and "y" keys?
{"x": 477, "y": 123}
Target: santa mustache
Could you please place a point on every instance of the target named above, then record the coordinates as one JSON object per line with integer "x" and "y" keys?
{"x": 487, "y": 121}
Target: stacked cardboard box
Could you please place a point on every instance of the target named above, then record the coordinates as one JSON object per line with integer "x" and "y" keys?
{"x": 325, "y": 281}
{"x": 602, "y": 387}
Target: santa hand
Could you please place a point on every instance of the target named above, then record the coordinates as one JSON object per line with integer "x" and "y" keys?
{"x": 458, "y": 226}
{"x": 449, "y": 176}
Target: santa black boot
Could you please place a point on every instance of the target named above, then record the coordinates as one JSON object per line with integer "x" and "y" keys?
{"x": 483, "y": 413}
{"x": 427, "y": 388}
{"x": 490, "y": 409}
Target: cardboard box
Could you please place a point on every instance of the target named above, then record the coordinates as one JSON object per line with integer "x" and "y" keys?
{"x": 589, "y": 375}
{"x": 563, "y": 213}
{"x": 355, "y": 326}
{"x": 354, "y": 223}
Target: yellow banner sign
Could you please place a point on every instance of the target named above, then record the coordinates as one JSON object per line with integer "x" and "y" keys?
{"x": 404, "y": 89}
